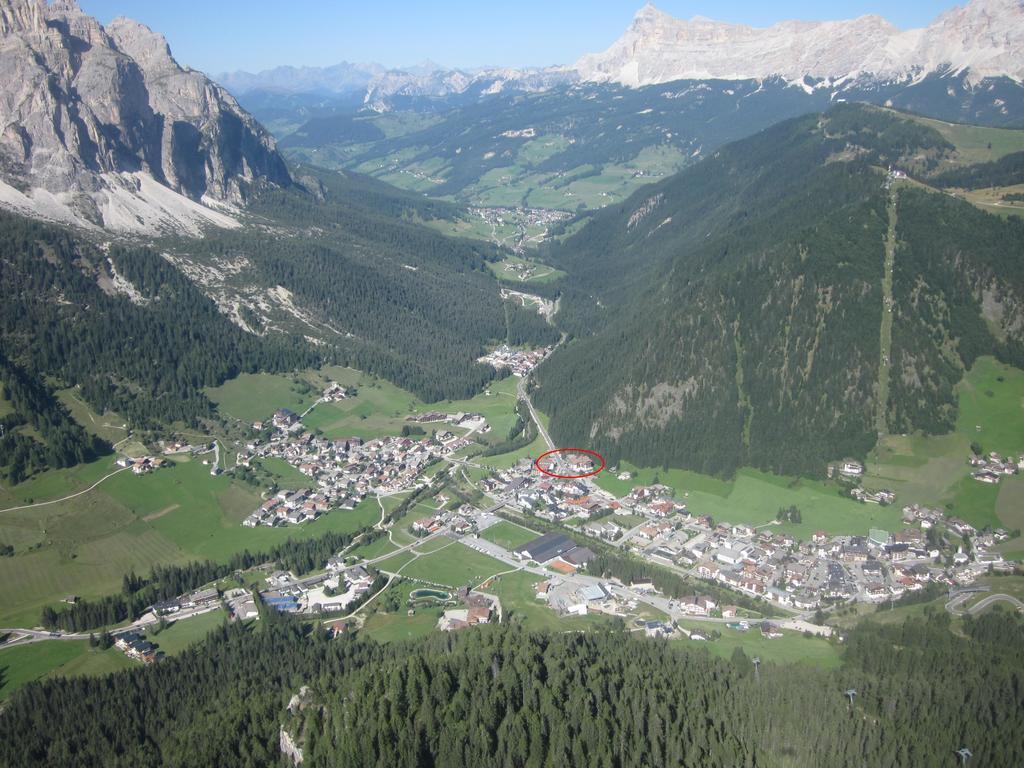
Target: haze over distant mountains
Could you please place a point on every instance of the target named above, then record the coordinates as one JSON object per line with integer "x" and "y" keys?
{"x": 984, "y": 39}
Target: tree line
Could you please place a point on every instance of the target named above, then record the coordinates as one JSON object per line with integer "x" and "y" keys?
{"x": 505, "y": 696}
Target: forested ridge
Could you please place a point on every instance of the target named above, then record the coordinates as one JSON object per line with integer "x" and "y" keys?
{"x": 408, "y": 303}
{"x": 146, "y": 356}
{"x": 730, "y": 315}
{"x": 503, "y": 696}
{"x": 135, "y": 335}
{"x": 62, "y": 442}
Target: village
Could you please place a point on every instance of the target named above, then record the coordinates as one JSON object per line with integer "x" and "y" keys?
{"x": 518, "y": 362}
{"x": 343, "y": 472}
{"x": 791, "y": 578}
{"x": 757, "y": 561}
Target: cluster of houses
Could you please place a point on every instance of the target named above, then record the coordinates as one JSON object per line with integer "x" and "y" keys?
{"x": 459, "y": 522}
{"x": 294, "y": 507}
{"x": 761, "y": 562}
{"x": 518, "y": 361}
{"x": 993, "y": 467}
{"x": 141, "y": 466}
{"x": 344, "y": 470}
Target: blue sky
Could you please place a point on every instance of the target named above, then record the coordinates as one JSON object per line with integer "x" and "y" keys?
{"x": 221, "y": 35}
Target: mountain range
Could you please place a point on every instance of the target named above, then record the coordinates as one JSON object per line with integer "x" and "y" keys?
{"x": 983, "y": 39}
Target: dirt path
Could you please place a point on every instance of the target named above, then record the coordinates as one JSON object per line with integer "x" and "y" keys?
{"x": 66, "y": 498}
{"x": 161, "y": 513}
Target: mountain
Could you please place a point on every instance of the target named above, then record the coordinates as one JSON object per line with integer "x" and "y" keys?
{"x": 734, "y": 314}
{"x": 982, "y": 41}
{"x": 103, "y": 128}
{"x": 667, "y": 94}
{"x": 985, "y": 38}
{"x": 343, "y": 77}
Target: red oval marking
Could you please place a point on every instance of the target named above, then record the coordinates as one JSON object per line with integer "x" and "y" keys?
{"x": 571, "y": 450}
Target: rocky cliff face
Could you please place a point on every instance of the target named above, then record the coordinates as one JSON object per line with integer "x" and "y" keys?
{"x": 986, "y": 38}
{"x": 101, "y": 126}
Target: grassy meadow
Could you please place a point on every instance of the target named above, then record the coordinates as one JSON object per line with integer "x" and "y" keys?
{"x": 933, "y": 470}
{"x": 84, "y": 546}
{"x": 23, "y": 664}
{"x": 791, "y": 648}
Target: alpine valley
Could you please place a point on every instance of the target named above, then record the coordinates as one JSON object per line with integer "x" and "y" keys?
{"x": 290, "y": 362}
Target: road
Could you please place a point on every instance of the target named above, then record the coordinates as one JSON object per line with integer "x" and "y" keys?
{"x": 23, "y": 636}
{"x": 533, "y": 414}
{"x": 953, "y": 606}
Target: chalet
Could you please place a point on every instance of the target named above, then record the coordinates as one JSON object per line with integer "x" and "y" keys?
{"x": 202, "y": 597}
{"x": 961, "y": 527}
{"x": 697, "y": 605}
{"x": 851, "y": 469}
{"x": 664, "y": 554}
{"x": 854, "y": 552}
{"x": 284, "y": 418}
{"x": 897, "y": 552}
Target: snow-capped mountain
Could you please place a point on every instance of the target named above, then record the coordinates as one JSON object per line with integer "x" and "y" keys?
{"x": 985, "y": 38}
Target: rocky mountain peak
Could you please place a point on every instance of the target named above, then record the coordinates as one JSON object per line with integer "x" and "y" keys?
{"x": 149, "y": 49}
{"x": 102, "y": 127}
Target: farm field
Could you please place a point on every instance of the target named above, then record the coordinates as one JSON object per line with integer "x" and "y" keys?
{"x": 55, "y": 658}
{"x": 991, "y": 199}
{"x": 284, "y": 474}
{"x": 378, "y": 548}
{"x": 791, "y": 648}
{"x": 508, "y": 535}
{"x": 255, "y": 396}
{"x": 175, "y": 515}
{"x": 974, "y": 143}
{"x": 181, "y": 634}
{"x": 395, "y": 563}
{"x": 108, "y": 426}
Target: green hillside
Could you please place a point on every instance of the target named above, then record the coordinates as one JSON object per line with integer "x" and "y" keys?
{"x": 731, "y": 315}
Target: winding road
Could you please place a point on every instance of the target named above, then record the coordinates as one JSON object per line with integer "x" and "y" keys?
{"x": 953, "y": 606}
